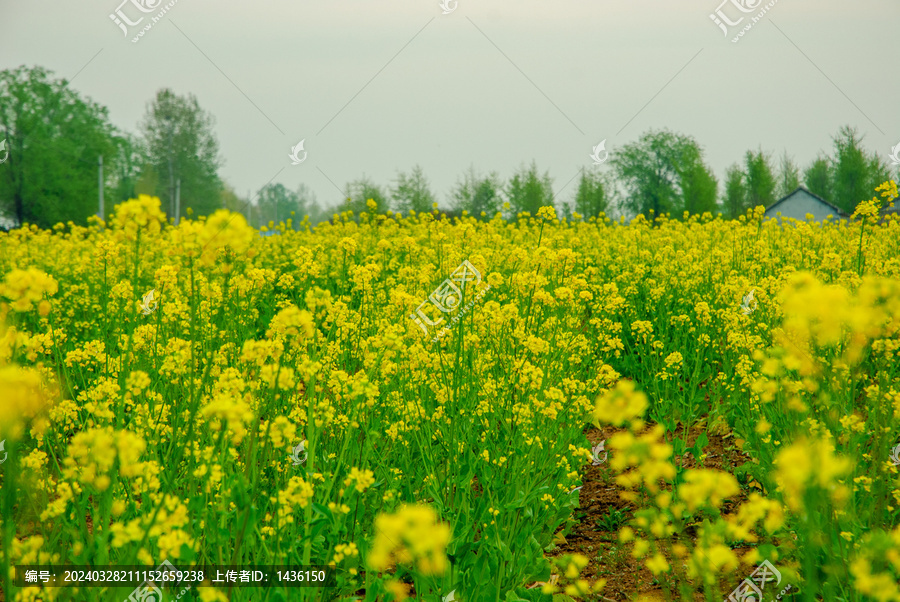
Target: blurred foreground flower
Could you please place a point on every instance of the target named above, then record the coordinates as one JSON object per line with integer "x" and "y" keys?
{"x": 25, "y": 287}
{"x": 412, "y": 535}
{"x": 620, "y": 404}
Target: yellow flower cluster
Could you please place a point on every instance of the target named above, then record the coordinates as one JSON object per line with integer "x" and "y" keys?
{"x": 363, "y": 479}
{"x": 93, "y": 453}
{"x": 704, "y": 487}
{"x": 646, "y": 454}
{"x": 412, "y": 535}
{"x": 27, "y": 287}
{"x": 806, "y": 463}
{"x": 297, "y": 494}
{"x": 139, "y": 216}
{"x": 620, "y": 404}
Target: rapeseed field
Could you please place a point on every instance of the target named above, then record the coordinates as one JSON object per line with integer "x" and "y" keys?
{"x": 404, "y": 400}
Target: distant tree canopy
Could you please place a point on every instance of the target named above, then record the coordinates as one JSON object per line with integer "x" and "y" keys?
{"x": 54, "y": 138}
{"x": 760, "y": 179}
{"x": 734, "y": 200}
{"x": 663, "y": 172}
{"x": 528, "y": 191}
{"x": 591, "y": 197}
{"x": 849, "y": 175}
{"x": 787, "y": 180}
{"x": 817, "y": 178}
{"x": 477, "y": 194}
{"x": 275, "y": 203}
{"x": 181, "y": 146}
{"x": 359, "y": 192}
{"x": 412, "y": 192}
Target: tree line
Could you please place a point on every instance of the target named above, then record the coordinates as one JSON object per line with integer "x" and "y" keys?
{"x": 54, "y": 137}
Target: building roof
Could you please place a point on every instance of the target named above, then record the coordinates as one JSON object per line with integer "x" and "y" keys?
{"x": 837, "y": 211}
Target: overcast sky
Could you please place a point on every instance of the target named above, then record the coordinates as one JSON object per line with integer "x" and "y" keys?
{"x": 374, "y": 87}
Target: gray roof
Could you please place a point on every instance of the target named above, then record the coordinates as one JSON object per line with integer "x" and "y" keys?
{"x": 771, "y": 209}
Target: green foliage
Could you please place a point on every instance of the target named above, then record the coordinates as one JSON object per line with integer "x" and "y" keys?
{"x": 852, "y": 175}
{"x": 788, "y": 178}
{"x": 734, "y": 200}
{"x": 478, "y": 194}
{"x": 275, "y": 203}
{"x": 528, "y": 191}
{"x": 613, "y": 519}
{"x": 412, "y": 192}
{"x": 663, "y": 172}
{"x": 591, "y": 198}
{"x": 54, "y": 138}
{"x": 358, "y": 192}
{"x": 849, "y": 174}
{"x": 131, "y": 158}
{"x": 760, "y": 179}
{"x": 181, "y": 145}
{"x": 818, "y": 178}
{"x": 699, "y": 187}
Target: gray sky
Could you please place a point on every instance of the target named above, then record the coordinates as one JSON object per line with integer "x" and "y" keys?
{"x": 376, "y": 87}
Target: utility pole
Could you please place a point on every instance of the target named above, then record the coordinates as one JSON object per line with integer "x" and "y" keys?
{"x": 102, "y": 214}
{"x": 178, "y": 201}
{"x": 171, "y": 124}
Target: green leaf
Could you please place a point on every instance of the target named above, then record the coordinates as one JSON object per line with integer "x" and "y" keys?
{"x": 323, "y": 510}
{"x": 512, "y": 596}
{"x": 701, "y": 442}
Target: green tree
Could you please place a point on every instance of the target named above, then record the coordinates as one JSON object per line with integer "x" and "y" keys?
{"x": 232, "y": 201}
{"x": 788, "y": 178}
{"x": 734, "y": 200}
{"x": 760, "y": 179}
{"x": 412, "y": 192}
{"x": 132, "y": 157}
{"x": 590, "y": 198}
{"x": 477, "y": 194}
{"x": 879, "y": 173}
{"x": 181, "y": 145}
{"x": 275, "y": 203}
{"x": 528, "y": 191}
{"x": 664, "y": 172}
{"x": 699, "y": 186}
{"x": 852, "y": 177}
{"x": 818, "y": 178}
{"x": 54, "y": 138}
{"x": 358, "y": 192}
